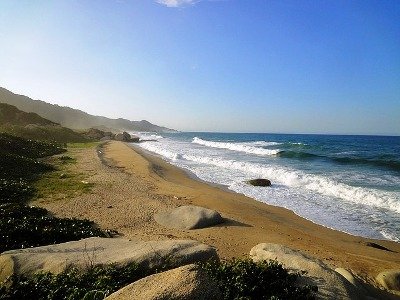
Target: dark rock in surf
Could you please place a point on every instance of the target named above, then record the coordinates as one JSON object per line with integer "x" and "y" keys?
{"x": 259, "y": 182}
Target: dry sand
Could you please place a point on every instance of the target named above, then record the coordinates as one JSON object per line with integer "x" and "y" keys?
{"x": 131, "y": 186}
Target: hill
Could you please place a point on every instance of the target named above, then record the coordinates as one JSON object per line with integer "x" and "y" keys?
{"x": 32, "y": 126}
{"x": 74, "y": 118}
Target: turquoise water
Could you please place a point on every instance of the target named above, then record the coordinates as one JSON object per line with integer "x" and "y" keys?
{"x": 349, "y": 183}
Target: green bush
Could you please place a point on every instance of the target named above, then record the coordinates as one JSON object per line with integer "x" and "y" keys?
{"x": 94, "y": 283}
{"x": 16, "y": 167}
{"x": 245, "y": 279}
{"x": 14, "y": 191}
{"x": 23, "y": 227}
{"x": 28, "y": 148}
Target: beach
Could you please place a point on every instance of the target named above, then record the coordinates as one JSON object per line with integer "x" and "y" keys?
{"x": 131, "y": 185}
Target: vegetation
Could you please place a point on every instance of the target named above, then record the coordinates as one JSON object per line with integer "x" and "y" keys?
{"x": 20, "y": 172}
{"x": 245, "y": 279}
{"x": 82, "y": 145}
{"x": 237, "y": 279}
{"x": 23, "y": 227}
{"x": 10, "y": 144}
{"x": 33, "y": 126}
{"x": 94, "y": 283}
{"x": 9, "y": 114}
{"x": 64, "y": 182}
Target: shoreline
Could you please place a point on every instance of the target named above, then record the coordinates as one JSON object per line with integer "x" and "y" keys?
{"x": 283, "y": 212}
{"x": 133, "y": 185}
{"x": 148, "y": 155}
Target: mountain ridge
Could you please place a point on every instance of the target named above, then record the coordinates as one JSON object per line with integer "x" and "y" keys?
{"x": 75, "y": 118}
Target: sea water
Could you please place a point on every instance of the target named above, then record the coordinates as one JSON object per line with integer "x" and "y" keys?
{"x": 348, "y": 183}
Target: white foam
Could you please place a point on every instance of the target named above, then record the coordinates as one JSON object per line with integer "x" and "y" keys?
{"x": 389, "y": 236}
{"x": 345, "y": 207}
{"x": 291, "y": 178}
{"x": 240, "y": 147}
{"x": 314, "y": 183}
{"x": 148, "y": 136}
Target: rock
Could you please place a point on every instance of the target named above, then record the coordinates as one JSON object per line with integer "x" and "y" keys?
{"x": 184, "y": 283}
{"x": 93, "y": 251}
{"x": 389, "y": 279}
{"x": 94, "y": 134}
{"x": 189, "y": 217}
{"x": 331, "y": 285}
{"x": 351, "y": 278}
{"x": 377, "y": 246}
{"x": 259, "y": 182}
{"x": 125, "y": 137}
{"x": 6, "y": 267}
{"x": 134, "y": 139}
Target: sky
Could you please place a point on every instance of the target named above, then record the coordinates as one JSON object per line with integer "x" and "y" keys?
{"x": 322, "y": 66}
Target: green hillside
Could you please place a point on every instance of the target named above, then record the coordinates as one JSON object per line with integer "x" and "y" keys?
{"x": 34, "y": 127}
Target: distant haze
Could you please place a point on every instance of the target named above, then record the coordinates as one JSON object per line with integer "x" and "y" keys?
{"x": 211, "y": 65}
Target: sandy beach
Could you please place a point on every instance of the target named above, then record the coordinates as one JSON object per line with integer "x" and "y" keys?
{"x": 130, "y": 186}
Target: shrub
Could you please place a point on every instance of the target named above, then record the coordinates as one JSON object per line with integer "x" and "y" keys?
{"x": 28, "y": 148}
{"x": 23, "y": 227}
{"x": 66, "y": 159}
{"x": 94, "y": 283}
{"x": 245, "y": 279}
{"x": 16, "y": 167}
{"x": 14, "y": 191}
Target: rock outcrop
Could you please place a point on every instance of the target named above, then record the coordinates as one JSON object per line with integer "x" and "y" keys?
{"x": 189, "y": 217}
{"x": 184, "y": 283}
{"x": 259, "y": 182}
{"x": 92, "y": 251}
{"x": 331, "y": 285}
{"x": 99, "y": 135}
{"x": 389, "y": 280}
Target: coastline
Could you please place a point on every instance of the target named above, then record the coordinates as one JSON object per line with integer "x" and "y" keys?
{"x": 146, "y": 184}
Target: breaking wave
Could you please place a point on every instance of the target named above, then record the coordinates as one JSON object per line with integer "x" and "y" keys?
{"x": 250, "y": 148}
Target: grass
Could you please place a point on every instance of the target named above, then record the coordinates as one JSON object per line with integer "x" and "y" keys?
{"x": 64, "y": 182}
{"x": 61, "y": 183}
{"x": 82, "y": 145}
{"x": 23, "y": 174}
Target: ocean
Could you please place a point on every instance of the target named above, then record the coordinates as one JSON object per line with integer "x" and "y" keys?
{"x": 348, "y": 183}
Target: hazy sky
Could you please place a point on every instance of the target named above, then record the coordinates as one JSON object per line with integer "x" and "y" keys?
{"x": 218, "y": 65}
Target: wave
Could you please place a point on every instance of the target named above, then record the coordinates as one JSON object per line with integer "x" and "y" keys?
{"x": 145, "y": 136}
{"x": 240, "y": 147}
{"x": 292, "y": 178}
{"x": 376, "y": 162}
{"x": 345, "y": 160}
{"x": 298, "y": 155}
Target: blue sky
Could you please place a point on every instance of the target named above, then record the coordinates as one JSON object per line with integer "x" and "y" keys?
{"x": 217, "y": 65}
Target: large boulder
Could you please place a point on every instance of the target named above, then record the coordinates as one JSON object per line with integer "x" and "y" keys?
{"x": 97, "y": 134}
{"x": 189, "y": 217}
{"x": 93, "y": 251}
{"x": 331, "y": 285}
{"x": 126, "y": 137}
{"x": 184, "y": 283}
{"x": 259, "y": 182}
{"x": 389, "y": 279}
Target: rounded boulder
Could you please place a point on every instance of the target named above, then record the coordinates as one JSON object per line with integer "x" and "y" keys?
{"x": 189, "y": 217}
